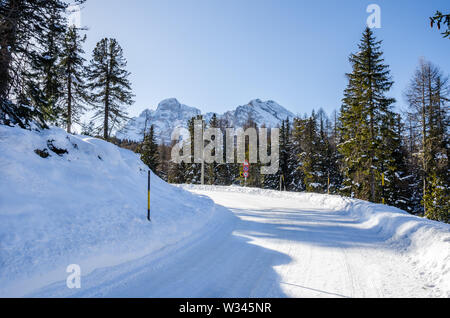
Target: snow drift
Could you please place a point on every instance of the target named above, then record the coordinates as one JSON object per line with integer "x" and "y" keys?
{"x": 67, "y": 199}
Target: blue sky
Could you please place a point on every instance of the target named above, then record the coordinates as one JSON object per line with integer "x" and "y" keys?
{"x": 216, "y": 54}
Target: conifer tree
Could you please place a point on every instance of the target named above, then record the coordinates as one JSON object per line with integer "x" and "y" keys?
{"x": 192, "y": 172}
{"x": 109, "y": 85}
{"x": 75, "y": 94}
{"x": 437, "y": 199}
{"x": 25, "y": 27}
{"x": 227, "y": 173}
{"x": 149, "y": 151}
{"x": 312, "y": 165}
{"x": 286, "y": 158}
{"x": 364, "y": 109}
{"x": 43, "y": 78}
{"x": 176, "y": 171}
{"x": 272, "y": 181}
{"x": 393, "y": 163}
{"x": 212, "y": 169}
{"x": 297, "y": 139}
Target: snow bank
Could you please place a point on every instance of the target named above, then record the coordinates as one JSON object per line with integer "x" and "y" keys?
{"x": 86, "y": 207}
{"x": 425, "y": 243}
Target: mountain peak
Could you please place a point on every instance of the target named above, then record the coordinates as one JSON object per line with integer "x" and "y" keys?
{"x": 170, "y": 114}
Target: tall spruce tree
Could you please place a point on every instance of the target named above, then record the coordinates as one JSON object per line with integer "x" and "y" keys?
{"x": 365, "y": 107}
{"x": 108, "y": 81}
{"x": 312, "y": 155}
{"x": 212, "y": 169}
{"x": 297, "y": 140}
{"x": 75, "y": 94}
{"x": 43, "y": 78}
{"x": 192, "y": 173}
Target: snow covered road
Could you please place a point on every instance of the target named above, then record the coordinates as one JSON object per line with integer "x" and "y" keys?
{"x": 269, "y": 246}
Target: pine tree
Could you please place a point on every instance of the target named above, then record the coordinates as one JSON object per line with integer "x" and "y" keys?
{"x": 393, "y": 162}
{"x": 255, "y": 179}
{"x": 176, "y": 171}
{"x": 74, "y": 72}
{"x": 364, "y": 109}
{"x": 437, "y": 200}
{"x": 109, "y": 84}
{"x": 297, "y": 171}
{"x": 149, "y": 151}
{"x": 43, "y": 79}
{"x": 227, "y": 173}
{"x": 192, "y": 173}
{"x": 272, "y": 181}
{"x": 25, "y": 27}
{"x": 286, "y": 159}
{"x": 164, "y": 161}
{"x": 311, "y": 158}
{"x": 212, "y": 169}
{"x": 439, "y": 18}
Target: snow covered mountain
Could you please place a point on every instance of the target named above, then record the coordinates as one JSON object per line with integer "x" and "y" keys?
{"x": 171, "y": 114}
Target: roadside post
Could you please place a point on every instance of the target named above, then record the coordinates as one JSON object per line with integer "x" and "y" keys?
{"x": 148, "y": 198}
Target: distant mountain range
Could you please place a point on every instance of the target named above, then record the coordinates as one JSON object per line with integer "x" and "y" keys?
{"x": 171, "y": 114}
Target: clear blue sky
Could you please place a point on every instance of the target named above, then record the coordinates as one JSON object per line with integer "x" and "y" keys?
{"x": 218, "y": 54}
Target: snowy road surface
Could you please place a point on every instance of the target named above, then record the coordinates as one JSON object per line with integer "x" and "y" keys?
{"x": 267, "y": 247}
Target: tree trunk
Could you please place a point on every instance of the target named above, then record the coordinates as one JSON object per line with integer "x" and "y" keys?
{"x": 424, "y": 132}
{"x": 69, "y": 104}
{"x": 8, "y": 32}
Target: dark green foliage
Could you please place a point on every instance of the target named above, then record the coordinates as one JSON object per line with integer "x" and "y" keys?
{"x": 192, "y": 173}
{"x": 439, "y": 19}
{"x": 437, "y": 199}
{"x": 212, "y": 169}
{"x": 30, "y": 38}
{"x": 364, "y": 115}
{"x": 149, "y": 151}
{"x": 74, "y": 94}
{"x": 109, "y": 85}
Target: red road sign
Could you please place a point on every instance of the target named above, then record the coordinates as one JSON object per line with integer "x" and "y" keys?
{"x": 246, "y": 169}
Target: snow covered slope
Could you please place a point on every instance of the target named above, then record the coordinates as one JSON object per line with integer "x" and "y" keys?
{"x": 85, "y": 207}
{"x": 88, "y": 207}
{"x": 170, "y": 114}
{"x": 286, "y": 245}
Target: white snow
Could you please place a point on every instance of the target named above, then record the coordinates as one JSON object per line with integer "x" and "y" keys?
{"x": 88, "y": 207}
